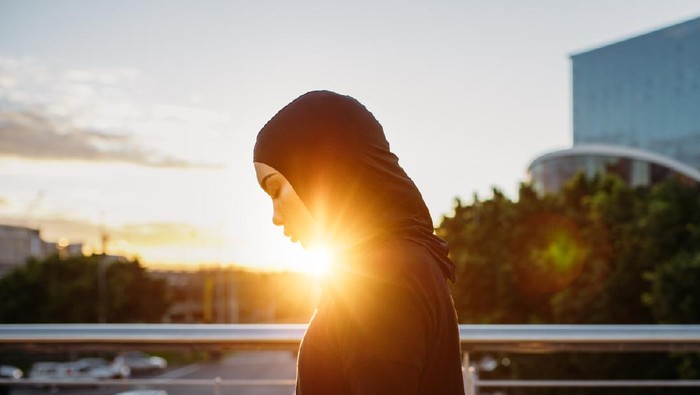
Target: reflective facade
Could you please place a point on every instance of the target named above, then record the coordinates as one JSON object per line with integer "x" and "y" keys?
{"x": 550, "y": 172}
{"x": 643, "y": 92}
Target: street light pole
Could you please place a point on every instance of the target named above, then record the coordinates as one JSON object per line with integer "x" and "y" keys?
{"x": 102, "y": 290}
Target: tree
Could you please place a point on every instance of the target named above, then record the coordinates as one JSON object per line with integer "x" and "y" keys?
{"x": 674, "y": 288}
{"x": 596, "y": 252}
{"x": 57, "y": 290}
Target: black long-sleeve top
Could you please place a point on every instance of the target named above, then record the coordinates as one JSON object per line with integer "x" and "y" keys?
{"x": 385, "y": 324}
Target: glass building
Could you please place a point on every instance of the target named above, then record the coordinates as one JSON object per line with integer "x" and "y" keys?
{"x": 637, "y": 168}
{"x": 643, "y": 92}
{"x": 636, "y": 112}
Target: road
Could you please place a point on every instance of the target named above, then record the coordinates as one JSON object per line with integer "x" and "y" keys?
{"x": 242, "y": 365}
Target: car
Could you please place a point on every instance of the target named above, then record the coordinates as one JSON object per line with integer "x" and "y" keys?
{"x": 143, "y": 392}
{"x": 10, "y": 372}
{"x": 100, "y": 368}
{"x": 51, "y": 374}
{"x": 55, "y": 375}
{"x": 140, "y": 362}
{"x": 51, "y": 371}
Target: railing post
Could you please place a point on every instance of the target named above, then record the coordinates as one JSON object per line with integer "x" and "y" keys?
{"x": 470, "y": 376}
{"x": 217, "y": 385}
{"x": 475, "y": 379}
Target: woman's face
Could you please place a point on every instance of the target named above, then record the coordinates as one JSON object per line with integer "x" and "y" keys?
{"x": 288, "y": 209}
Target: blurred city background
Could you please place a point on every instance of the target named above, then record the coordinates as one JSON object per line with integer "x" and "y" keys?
{"x": 557, "y": 146}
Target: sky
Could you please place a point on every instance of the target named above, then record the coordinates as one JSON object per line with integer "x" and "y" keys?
{"x": 137, "y": 119}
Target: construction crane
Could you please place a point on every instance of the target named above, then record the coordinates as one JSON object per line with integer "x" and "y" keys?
{"x": 31, "y": 207}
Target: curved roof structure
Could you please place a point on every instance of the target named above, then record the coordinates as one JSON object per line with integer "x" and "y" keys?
{"x": 620, "y": 152}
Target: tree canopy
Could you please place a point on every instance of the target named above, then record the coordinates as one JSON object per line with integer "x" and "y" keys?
{"x": 81, "y": 290}
{"x": 597, "y": 252}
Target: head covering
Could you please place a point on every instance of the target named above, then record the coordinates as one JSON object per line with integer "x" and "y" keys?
{"x": 336, "y": 157}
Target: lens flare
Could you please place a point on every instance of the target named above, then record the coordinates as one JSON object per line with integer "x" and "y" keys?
{"x": 549, "y": 253}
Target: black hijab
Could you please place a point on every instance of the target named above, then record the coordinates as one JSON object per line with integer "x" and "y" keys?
{"x": 335, "y": 155}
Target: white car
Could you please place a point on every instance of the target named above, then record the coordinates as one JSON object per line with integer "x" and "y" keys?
{"x": 140, "y": 362}
{"x": 10, "y": 372}
{"x": 52, "y": 374}
{"x": 99, "y": 368}
{"x": 51, "y": 371}
{"x": 86, "y": 369}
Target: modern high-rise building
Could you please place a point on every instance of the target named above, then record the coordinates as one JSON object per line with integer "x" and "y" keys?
{"x": 643, "y": 92}
{"x": 636, "y": 111}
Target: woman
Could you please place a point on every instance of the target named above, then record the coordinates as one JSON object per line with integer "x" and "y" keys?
{"x": 385, "y": 323}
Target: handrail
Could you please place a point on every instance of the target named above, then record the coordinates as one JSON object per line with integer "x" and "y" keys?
{"x": 513, "y": 338}
{"x": 153, "y": 382}
{"x": 510, "y": 338}
{"x": 550, "y": 338}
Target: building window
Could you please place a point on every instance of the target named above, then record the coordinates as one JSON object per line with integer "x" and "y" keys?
{"x": 641, "y": 174}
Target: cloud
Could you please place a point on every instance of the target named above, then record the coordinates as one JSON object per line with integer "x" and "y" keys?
{"x": 53, "y": 113}
{"x": 33, "y": 135}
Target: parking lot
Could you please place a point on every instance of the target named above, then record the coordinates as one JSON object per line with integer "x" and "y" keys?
{"x": 273, "y": 365}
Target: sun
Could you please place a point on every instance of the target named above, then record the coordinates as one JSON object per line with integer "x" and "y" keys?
{"x": 317, "y": 261}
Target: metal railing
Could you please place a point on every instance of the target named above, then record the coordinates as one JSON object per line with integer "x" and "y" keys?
{"x": 474, "y": 338}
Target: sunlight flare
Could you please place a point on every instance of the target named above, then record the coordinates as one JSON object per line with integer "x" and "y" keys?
{"x": 318, "y": 261}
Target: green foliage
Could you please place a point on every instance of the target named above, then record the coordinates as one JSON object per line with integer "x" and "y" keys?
{"x": 587, "y": 255}
{"x": 597, "y": 252}
{"x": 58, "y": 290}
{"x": 673, "y": 296}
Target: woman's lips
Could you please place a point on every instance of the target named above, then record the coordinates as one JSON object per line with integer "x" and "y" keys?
{"x": 291, "y": 236}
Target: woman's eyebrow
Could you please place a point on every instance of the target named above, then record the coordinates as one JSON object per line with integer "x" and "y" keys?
{"x": 264, "y": 180}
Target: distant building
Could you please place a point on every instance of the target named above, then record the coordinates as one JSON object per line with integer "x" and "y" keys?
{"x": 637, "y": 168}
{"x": 636, "y": 111}
{"x": 230, "y": 295}
{"x": 19, "y": 243}
{"x": 73, "y": 249}
{"x": 200, "y": 296}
